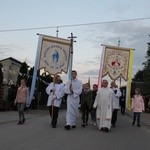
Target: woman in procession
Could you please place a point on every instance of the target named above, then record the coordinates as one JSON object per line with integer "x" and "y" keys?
{"x": 21, "y": 100}
{"x": 86, "y": 104}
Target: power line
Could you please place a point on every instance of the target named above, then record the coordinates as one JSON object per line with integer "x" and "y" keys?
{"x": 75, "y": 25}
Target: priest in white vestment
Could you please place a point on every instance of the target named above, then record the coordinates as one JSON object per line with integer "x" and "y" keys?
{"x": 73, "y": 89}
{"x": 104, "y": 105}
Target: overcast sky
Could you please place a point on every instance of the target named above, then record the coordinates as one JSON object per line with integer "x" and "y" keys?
{"x": 23, "y": 14}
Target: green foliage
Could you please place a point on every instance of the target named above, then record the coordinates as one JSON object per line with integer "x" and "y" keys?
{"x": 1, "y": 74}
{"x": 23, "y": 70}
{"x": 43, "y": 82}
{"x": 138, "y": 76}
{"x": 144, "y": 75}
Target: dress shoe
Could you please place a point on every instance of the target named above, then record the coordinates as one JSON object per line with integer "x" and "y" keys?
{"x": 23, "y": 120}
{"x": 138, "y": 125}
{"x": 102, "y": 129}
{"x": 74, "y": 126}
{"x": 20, "y": 122}
{"x": 67, "y": 127}
{"x": 53, "y": 126}
{"x": 83, "y": 125}
{"x": 133, "y": 123}
{"x": 106, "y": 129}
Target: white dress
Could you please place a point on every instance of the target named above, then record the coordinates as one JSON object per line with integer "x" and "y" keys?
{"x": 73, "y": 101}
{"x": 104, "y": 104}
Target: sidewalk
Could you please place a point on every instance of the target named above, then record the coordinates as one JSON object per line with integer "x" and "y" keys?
{"x": 12, "y": 116}
{"x": 145, "y": 117}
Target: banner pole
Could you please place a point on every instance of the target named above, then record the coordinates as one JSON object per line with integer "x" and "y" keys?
{"x": 129, "y": 80}
{"x": 71, "y": 56}
{"x": 37, "y": 60}
{"x": 101, "y": 67}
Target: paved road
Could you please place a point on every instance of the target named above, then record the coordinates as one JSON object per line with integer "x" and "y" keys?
{"x": 37, "y": 134}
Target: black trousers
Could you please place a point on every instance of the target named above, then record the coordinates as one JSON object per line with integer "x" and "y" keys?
{"x": 114, "y": 117}
{"x": 123, "y": 106}
{"x": 53, "y": 110}
{"x": 93, "y": 114}
{"x": 85, "y": 113}
{"x": 136, "y": 115}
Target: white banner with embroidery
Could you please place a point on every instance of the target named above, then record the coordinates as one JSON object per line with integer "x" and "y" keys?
{"x": 55, "y": 53}
{"x": 116, "y": 62}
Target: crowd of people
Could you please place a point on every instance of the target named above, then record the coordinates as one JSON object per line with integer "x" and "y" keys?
{"x": 102, "y": 105}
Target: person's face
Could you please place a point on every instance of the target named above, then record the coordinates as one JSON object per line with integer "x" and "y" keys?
{"x": 86, "y": 87}
{"x": 57, "y": 78}
{"x": 113, "y": 84}
{"x": 74, "y": 74}
{"x": 23, "y": 83}
{"x": 136, "y": 92}
{"x": 94, "y": 88}
{"x": 105, "y": 83}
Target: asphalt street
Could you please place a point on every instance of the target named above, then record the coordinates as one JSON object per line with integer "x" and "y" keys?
{"x": 37, "y": 134}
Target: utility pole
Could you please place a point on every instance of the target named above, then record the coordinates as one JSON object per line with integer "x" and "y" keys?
{"x": 57, "y": 31}
{"x": 119, "y": 42}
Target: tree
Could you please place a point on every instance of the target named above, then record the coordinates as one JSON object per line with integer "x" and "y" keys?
{"x": 43, "y": 82}
{"x": 146, "y": 70}
{"x": 138, "y": 76}
{"x": 144, "y": 74}
{"x": 30, "y": 75}
{"x": 22, "y": 72}
{"x": 1, "y": 74}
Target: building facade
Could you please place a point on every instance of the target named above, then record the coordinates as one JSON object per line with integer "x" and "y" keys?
{"x": 10, "y": 69}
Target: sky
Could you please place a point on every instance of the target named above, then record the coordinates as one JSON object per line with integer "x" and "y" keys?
{"x": 25, "y": 14}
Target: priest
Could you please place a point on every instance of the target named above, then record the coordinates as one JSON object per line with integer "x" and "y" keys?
{"x": 104, "y": 105}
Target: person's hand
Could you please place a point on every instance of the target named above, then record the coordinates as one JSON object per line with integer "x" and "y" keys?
{"x": 94, "y": 107}
{"x": 54, "y": 97}
{"x": 115, "y": 91}
{"x": 15, "y": 103}
{"x": 71, "y": 89}
{"x": 52, "y": 90}
{"x": 27, "y": 104}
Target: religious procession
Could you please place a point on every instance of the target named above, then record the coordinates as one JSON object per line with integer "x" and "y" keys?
{"x": 98, "y": 106}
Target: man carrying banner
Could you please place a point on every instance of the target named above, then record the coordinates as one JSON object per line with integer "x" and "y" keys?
{"x": 73, "y": 88}
{"x": 55, "y": 90}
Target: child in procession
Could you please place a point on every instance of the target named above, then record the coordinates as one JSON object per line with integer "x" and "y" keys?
{"x": 137, "y": 106}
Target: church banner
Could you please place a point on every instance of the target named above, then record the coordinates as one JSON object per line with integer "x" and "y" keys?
{"x": 116, "y": 62}
{"x": 55, "y": 54}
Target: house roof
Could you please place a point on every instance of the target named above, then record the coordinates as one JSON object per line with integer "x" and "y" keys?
{"x": 13, "y": 59}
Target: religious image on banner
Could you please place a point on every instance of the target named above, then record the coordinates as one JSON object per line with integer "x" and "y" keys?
{"x": 55, "y": 53}
{"x": 116, "y": 62}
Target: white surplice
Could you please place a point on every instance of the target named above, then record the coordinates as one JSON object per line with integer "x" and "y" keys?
{"x": 73, "y": 101}
{"x": 104, "y": 104}
{"x": 116, "y": 97}
{"x": 58, "y": 94}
